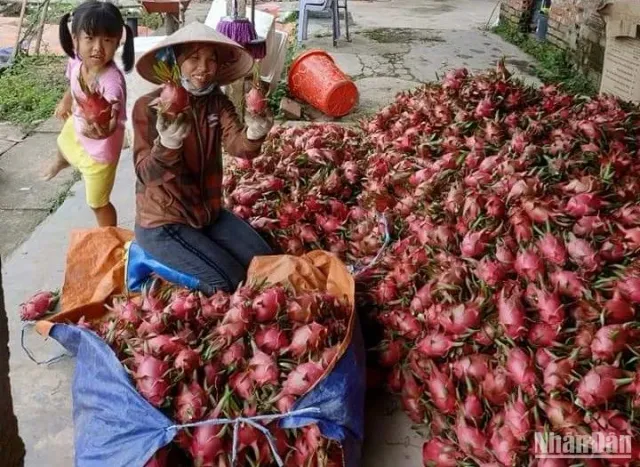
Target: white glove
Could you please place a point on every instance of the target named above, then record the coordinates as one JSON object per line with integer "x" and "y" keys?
{"x": 172, "y": 132}
{"x": 258, "y": 126}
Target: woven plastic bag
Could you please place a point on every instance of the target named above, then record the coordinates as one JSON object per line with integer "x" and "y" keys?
{"x": 116, "y": 426}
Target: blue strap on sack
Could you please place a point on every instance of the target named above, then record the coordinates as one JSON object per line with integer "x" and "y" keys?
{"x": 140, "y": 265}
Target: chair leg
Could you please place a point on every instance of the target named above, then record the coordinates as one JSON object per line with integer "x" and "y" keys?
{"x": 334, "y": 34}
{"x": 336, "y": 16}
{"x": 306, "y": 24}
{"x": 346, "y": 20}
{"x": 333, "y": 25}
{"x": 302, "y": 25}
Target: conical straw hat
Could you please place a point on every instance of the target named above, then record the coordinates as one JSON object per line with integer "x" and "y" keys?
{"x": 234, "y": 61}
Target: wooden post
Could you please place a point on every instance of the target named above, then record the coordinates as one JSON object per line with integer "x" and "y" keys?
{"x": 242, "y": 8}
{"x": 22, "y": 12}
{"x": 43, "y": 20}
{"x": 170, "y": 23}
{"x": 235, "y": 90}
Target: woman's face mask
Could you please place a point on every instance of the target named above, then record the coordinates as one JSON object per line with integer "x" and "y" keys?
{"x": 191, "y": 89}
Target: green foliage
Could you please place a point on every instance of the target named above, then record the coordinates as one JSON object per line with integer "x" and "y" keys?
{"x": 31, "y": 88}
{"x": 55, "y": 11}
{"x": 554, "y": 64}
{"x": 291, "y": 17}
{"x": 150, "y": 20}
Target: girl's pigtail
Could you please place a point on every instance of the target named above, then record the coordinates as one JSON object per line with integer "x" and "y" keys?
{"x": 66, "y": 41}
{"x": 128, "y": 53}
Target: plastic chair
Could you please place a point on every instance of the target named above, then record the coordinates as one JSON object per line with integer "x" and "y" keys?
{"x": 318, "y": 5}
{"x": 346, "y": 17}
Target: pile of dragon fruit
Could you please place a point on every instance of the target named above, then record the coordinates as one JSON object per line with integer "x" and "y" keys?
{"x": 253, "y": 352}
{"x": 302, "y": 192}
{"x": 509, "y": 293}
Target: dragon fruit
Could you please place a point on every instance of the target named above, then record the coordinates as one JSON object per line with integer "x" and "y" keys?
{"x": 267, "y": 305}
{"x": 307, "y": 338}
{"x": 521, "y": 370}
{"x": 600, "y": 384}
{"x": 263, "y": 368}
{"x": 187, "y": 360}
{"x": 93, "y": 106}
{"x": 608, "y": 341}
{"x": 440, "y": 452}
{"x": 151, "y": 377}
{"x": 442, "y": 391}
{"x": 38, "y": 305}
{"x": 190, "y": 403}
{"x": 271, "y": 339}
{"x": 255, "y": 101}
{"x": 172, "y": 101}
{"x": 301, "y": 378}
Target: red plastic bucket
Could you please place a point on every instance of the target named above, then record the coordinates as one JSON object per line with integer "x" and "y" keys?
{"x": 315, "y": 78}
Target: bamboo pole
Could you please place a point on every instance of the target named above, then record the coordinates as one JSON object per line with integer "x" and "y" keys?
{"x": 171, "y": 23}
{"x": 43, "y": 20}
{"x": 22, "y": 12}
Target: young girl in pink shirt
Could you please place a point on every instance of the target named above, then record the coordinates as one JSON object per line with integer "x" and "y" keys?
{"x": 91, "y": 143}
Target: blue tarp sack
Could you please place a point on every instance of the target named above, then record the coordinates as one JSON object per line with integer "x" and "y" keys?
{"x": 116, "y": 426}
{"x": 139, "y": 267}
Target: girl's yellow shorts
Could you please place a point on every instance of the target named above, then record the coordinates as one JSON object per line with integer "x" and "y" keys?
{"x": 98, "y": 177}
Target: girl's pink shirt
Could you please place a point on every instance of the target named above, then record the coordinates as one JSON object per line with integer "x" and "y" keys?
{"x": 112, "y": 84}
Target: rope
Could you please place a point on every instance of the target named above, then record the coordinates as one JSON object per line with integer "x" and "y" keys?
{"x": 253, "y": 421}
{"x": 356, "y": 271}
{"x": 30, "y": 354}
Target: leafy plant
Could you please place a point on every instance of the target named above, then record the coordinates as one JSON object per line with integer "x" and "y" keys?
{"x": 151, "y": 20}
{"x": 31, "y": 88}
{"x": 554, "y": 64}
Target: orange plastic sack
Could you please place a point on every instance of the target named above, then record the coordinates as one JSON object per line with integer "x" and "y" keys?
{"x": 317, "y": 270}
{"x": 94, "y": 272}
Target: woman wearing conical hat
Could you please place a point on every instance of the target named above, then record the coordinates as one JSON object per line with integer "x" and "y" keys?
{"x": 180, "y": 220}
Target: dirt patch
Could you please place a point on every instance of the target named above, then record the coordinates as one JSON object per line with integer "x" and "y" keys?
{"x": 400, "y": 35}
{"x": 431, "y": 9}
{"x": 522, "y": 65}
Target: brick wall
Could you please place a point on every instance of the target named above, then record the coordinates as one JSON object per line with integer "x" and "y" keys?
{"x": 574, "y": 25}
{"x": 515, "y": 11}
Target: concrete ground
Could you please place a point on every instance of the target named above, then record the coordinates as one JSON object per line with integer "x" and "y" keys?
{"x": 25, "y": 200}
{"x": 383, "y": 59}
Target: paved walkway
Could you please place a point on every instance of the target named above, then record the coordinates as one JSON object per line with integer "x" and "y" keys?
{"x": 26, "y": 200}
{"x": 383, "y": 59}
